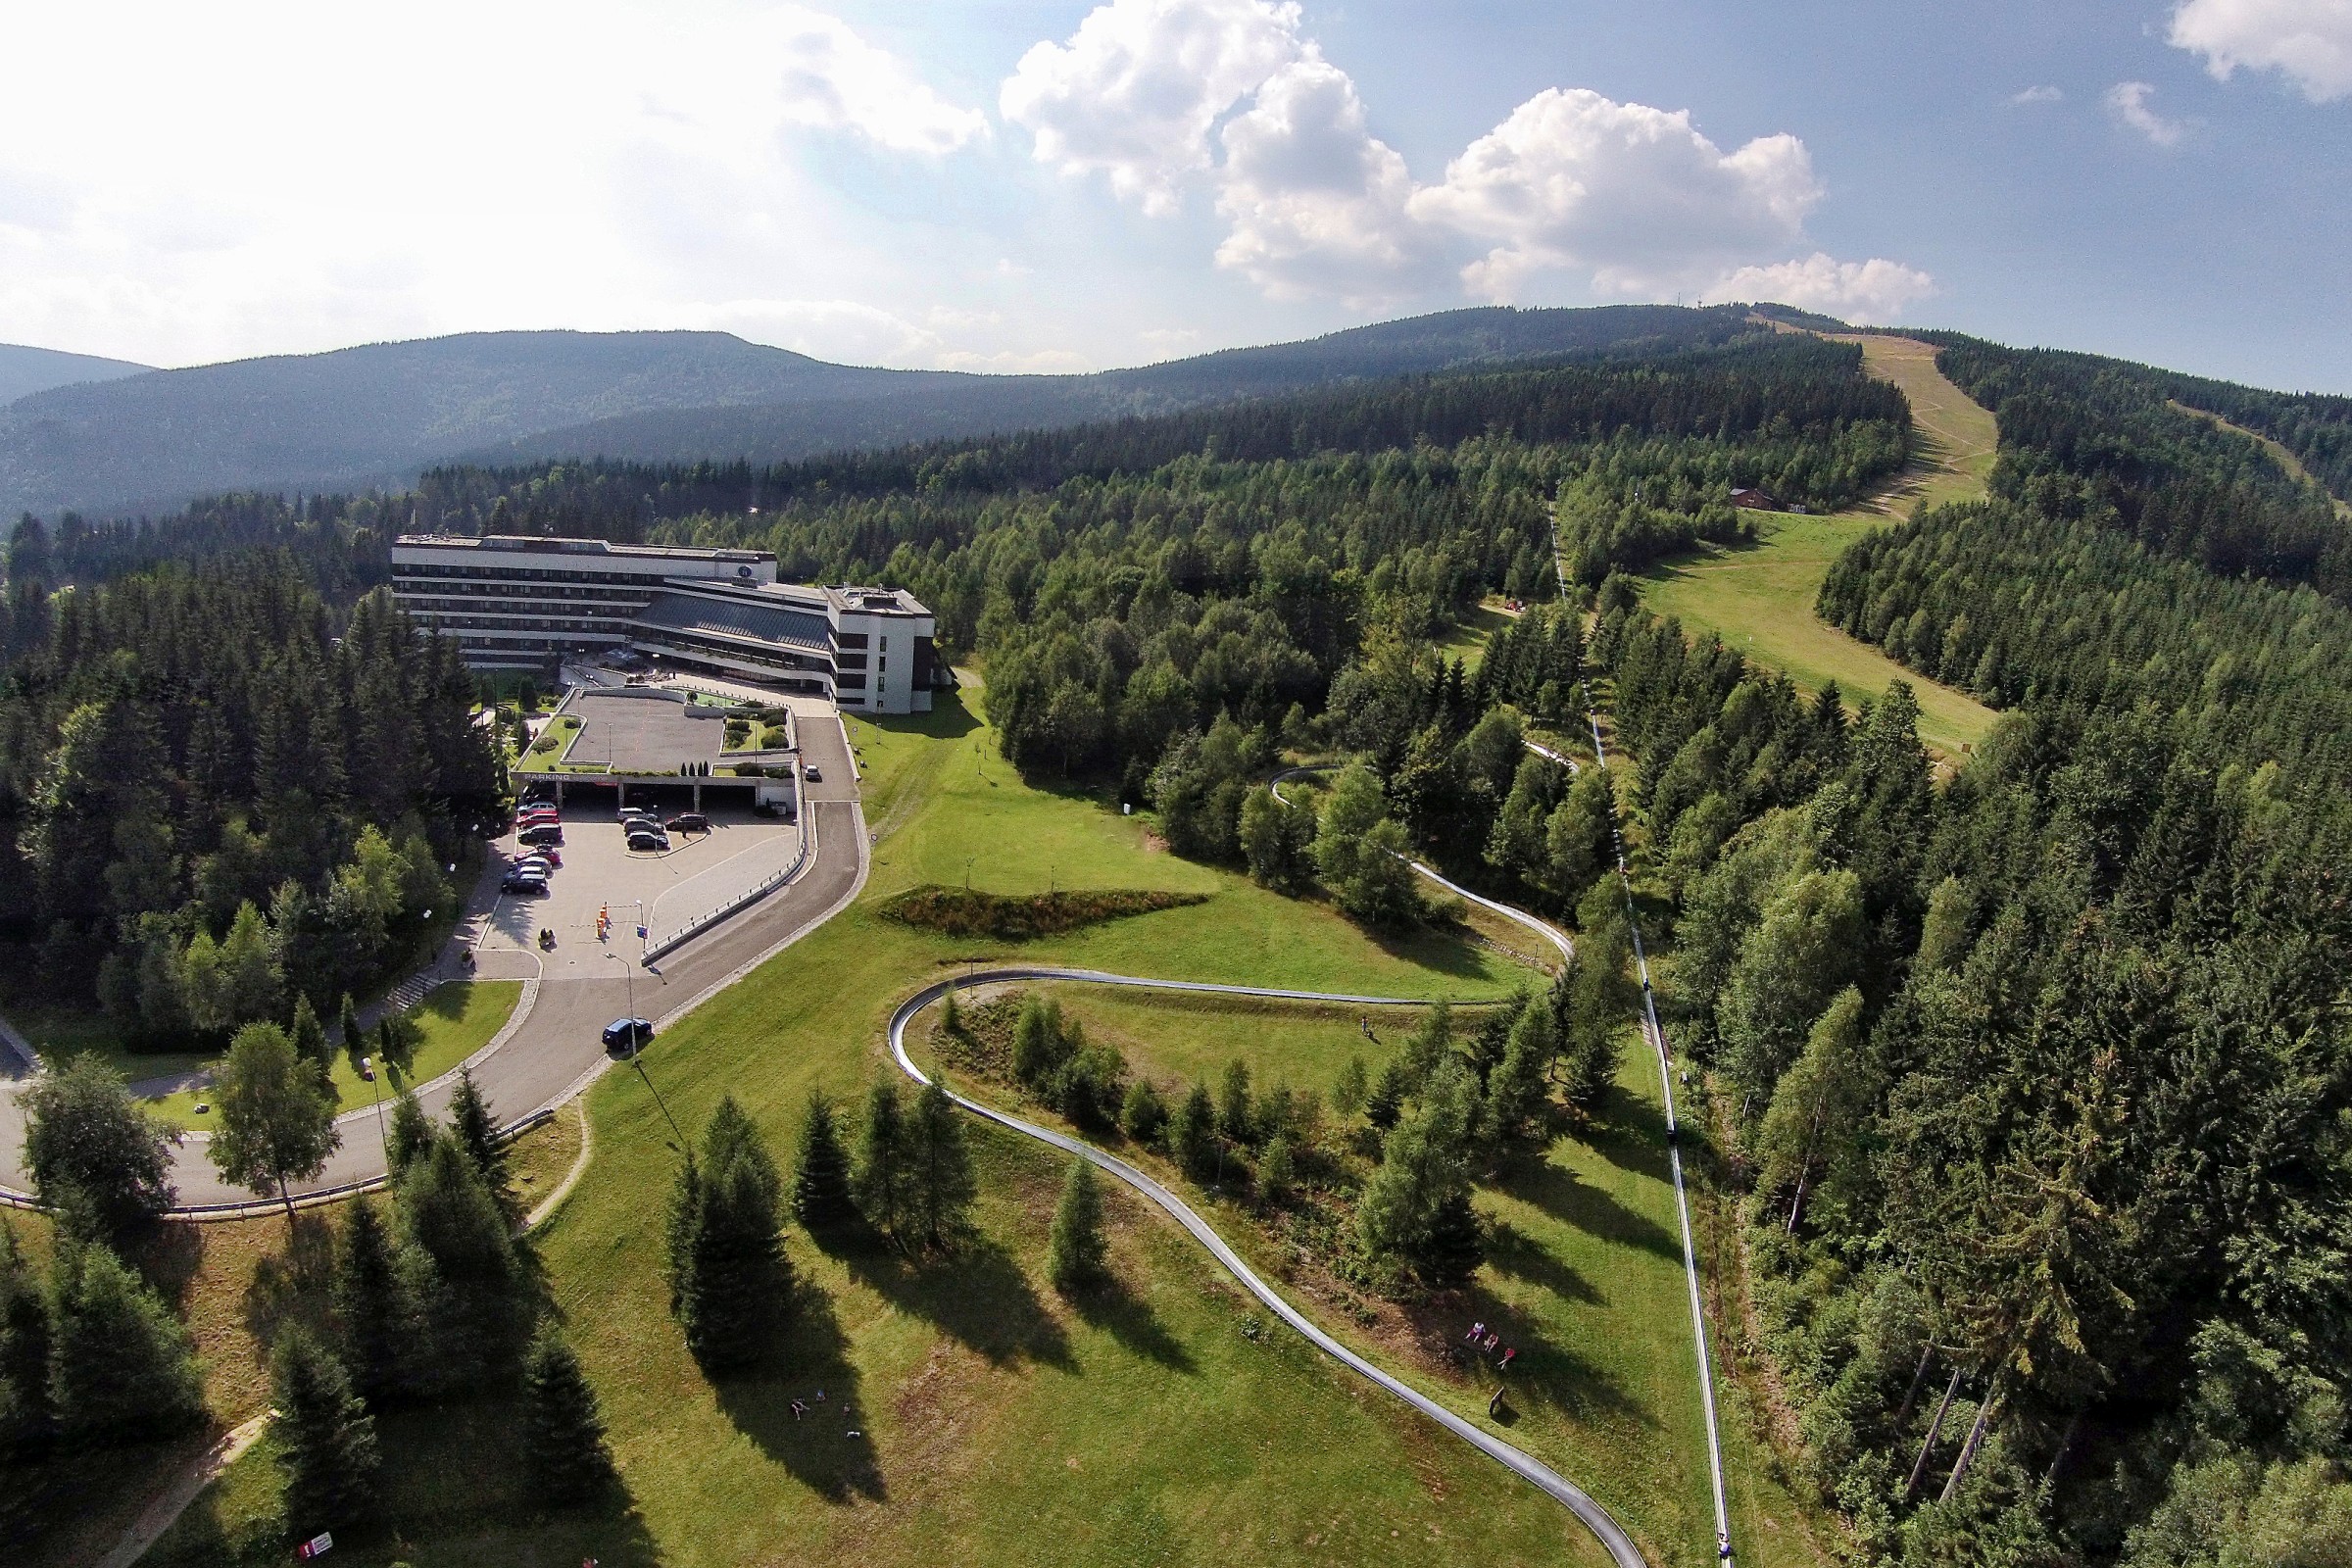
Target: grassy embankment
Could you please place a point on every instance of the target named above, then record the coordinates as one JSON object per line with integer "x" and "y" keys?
{"x": 1170, "y": 1424}
{"x": 455, "y": 1019}
{"x": 1759, "y": 598}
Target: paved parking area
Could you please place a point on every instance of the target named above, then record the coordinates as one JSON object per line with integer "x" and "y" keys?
{"x": 600, "y": 871}
{"x": 642, "y": 732}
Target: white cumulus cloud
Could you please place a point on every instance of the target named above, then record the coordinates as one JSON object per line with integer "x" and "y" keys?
{"x": 1873, "y": 292}
{"x": 1137, "y": 91}
{"x": 2309, "y": 41}
{"x": 2045, "y": 95}
{"x": 1317, "y": 202}
{"x": 2130, "y": 103}
{"x": 835, "y": 80}
{"x": 1636, "y": 196}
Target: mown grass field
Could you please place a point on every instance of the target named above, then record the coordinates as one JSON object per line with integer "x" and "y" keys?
{"x": 1587, "y": 1282}
{"x": 1759, "y": 598}
{"x": 1170, "y": 1423}
{"x": 454, "y": 1020}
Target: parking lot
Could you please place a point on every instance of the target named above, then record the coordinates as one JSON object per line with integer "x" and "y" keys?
{"x": 598, "y": 870}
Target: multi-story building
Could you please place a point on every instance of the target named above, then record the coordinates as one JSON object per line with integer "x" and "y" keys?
{"x": 525, "y": 603}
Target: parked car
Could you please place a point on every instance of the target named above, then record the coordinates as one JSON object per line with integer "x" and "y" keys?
{"x": 810, "y": 772}
{"x": 629, "y": 1036}
{"x": 540, "y": 860}
{"x": 540, "y": 833}
{"x": 647, "y": 842}
{"x": 522, "y": 884}
{"x": 690, "y": 822}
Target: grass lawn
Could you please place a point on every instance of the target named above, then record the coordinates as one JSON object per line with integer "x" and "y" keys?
{"x": 454, "y": 1020}
{"x": 1588, "y": 1284}
{"x": 1759, "y": 598}
{"x": 1467, "y": 641}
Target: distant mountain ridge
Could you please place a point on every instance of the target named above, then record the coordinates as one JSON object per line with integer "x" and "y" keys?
{"x": 25, "y": 371}
{"x": 378, "y": 415}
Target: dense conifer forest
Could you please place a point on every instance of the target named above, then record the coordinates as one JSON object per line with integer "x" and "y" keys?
{"x": 219, "y": 793}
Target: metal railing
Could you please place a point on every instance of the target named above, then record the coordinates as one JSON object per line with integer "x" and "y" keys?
{"x": 695, "y": 926}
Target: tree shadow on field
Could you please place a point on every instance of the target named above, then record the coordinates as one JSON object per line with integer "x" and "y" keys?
{"x": 829, "y": 1445}
{"x": 1630, "y": 1133}
{"x": 1521, "y": 1256}
{"x": 1544, "y": 1373}
{"x": 975, "y": 1293}
{"x": 294, "y": 1283}
{"x": 1128, "y": 1318}
{"x": 1562, "y": 1196}
{"x": 169, "y": 1255}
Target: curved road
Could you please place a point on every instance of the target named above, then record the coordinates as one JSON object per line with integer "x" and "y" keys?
{"x": 553, "y": 1048}
{"x": 1595, "y": 1518}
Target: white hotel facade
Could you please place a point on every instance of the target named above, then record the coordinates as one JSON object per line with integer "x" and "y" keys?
{"x": 514, "y": 603}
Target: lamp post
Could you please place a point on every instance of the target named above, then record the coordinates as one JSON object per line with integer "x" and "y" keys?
{"x": 637, "y": 1057}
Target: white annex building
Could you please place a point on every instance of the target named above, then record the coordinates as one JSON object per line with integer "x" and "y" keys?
{"x": 514, "y": 603}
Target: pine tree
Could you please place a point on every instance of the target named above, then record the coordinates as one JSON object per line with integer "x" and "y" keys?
{"x": 942, "y": 1186}
{"x": 880, "y": 1183}
{"x": 564, "y": 1449}
{"x": 413, "y": 1131}
{"x": 821, "y": 1176}
{"x": 1517, "y": 1088}
{"x": 1193, "y": 1133}
{"x": 375, "y": 1306}
{"x": 123, "y": 1368}
{"x": 308, "y": 1036}
{"x": 1077, "y": 1254}
{"x": 478, "y": 1298}
{"x": 1348, "y": 1090}
{"x": 355, "y": 1038}
{"x": 394, "y": 1044}
{"x": 325, "y": 1437}
{"x": 27, "y": 1418}
{"x": 1144, "y": 1114}
{"x": 731, "y": 1284}
{"x": 477, "y": 1131}
{"x": 1237, "y": 1117}
{"x": 1277, "y": 1170}
{"x": 1387, "y": 1099}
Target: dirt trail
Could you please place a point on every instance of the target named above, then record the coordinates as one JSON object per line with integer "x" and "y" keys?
{"x": 1953, "y": 435}
{"x": 2280, "y": 454}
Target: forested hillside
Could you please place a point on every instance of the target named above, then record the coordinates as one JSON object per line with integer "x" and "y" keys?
{"x": 2115, "y": 444}
{"x": 217, "y": 794}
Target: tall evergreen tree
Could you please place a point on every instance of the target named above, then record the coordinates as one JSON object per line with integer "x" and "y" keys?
{"x": 478, "y": 1297}
{"x": 375, "y": 1308}
{"x": 355, "y": 1038}
{"x": 731, "y": 1284}
{"x": 477, "y": 1131}
{"x": 309, "y": 1038}
{"x": 28, "y": 1419}
{"x": 123, "y": 1368}
{"x": 883, "y": 1182}
{"x": 941, "y": 1185}
{"x": 326, "y": 1447}
{"x": 1077, "y": 1255}
{"x": 563, "y": 1449}
{"x": 1193, "y": 1133}
{"x": 411, "y": 1131}
{"x": 820, "y": 1177}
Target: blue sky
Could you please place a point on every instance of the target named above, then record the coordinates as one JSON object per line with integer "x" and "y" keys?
{"x": 1035, "y": 187}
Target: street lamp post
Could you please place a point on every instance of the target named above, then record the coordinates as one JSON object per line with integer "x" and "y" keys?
{"x": 637, "y": 1056}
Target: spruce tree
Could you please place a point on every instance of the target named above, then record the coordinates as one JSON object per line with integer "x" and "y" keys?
{"x": 1193, "y": 1133}
{"x": 820, "y": 1177}
{"x": 355, "y": 1038}
{"x": 478, "y": 1297}
{"x": 413, "y": 1132}
{"x": 941, "y": 1185}
{"x": 375, "y": 1306}
{"x": 880, "y": 1183}
{"x": 731, "y": 1284}
{"x": 477, "y": 1131}
{"x": 1143, "y": 1115}
{"x": 1388, "y": 1091}
{"x": 1348, "y": 1090}
{"x": 310, "y": 1040}
{"x": 1237, "y": 1116}
{"x": 1277, "y": 1170}
{"x": 564, "y": 1449}
{"x": 325, "y": 1437}
{"x": 1077, "y": 1254}
{"x": 123, "y": 1368}
{"x": 394, "y": 1044}
{"x": 26, "y": 1417}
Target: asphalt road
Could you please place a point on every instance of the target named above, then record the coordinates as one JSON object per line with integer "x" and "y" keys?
{"x": 555, "y": 1044}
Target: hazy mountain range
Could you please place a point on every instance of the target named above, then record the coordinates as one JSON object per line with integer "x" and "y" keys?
{"x": 351, "y": 418}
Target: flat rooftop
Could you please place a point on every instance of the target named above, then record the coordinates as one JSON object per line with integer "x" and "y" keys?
{"x": 526, "y": 544}
{"x": 874, "y": 600}
{"x": 643, "y": 733}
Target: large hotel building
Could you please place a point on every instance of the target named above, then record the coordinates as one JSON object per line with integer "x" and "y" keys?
{"x": 515, "y": 603}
